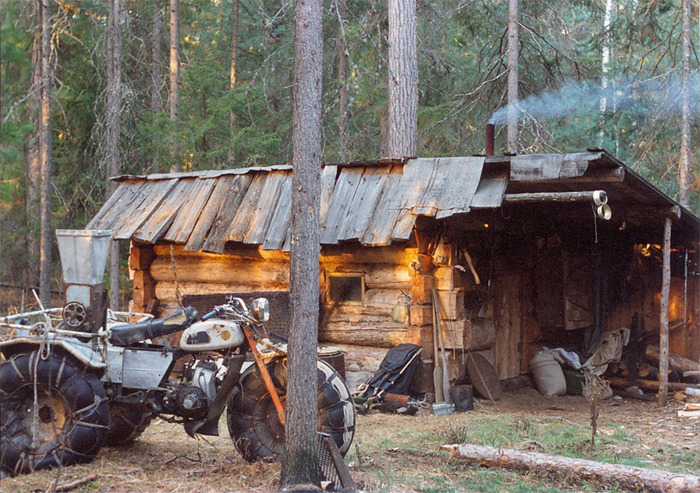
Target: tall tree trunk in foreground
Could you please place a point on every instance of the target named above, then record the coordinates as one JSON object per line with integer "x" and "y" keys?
{"x": 342, "y": 84}
{"x": 114, "y": 105}
{"x": 513, "y": 76}
{"x": 301, "y": 445}
{"x": 45, "y": 153}
{"x": 175, "y": 78}
{"x": 684, "y": 172}
{"x": 403, "y": 79}
{"x": 233, "y": 77}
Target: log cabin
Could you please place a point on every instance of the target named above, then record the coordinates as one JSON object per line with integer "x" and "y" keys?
{"x": 508, "y": 253}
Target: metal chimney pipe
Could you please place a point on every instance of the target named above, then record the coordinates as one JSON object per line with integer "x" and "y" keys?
{"x": 490, "y": 136}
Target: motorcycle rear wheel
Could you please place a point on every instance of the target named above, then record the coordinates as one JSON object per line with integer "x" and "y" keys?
{"x": 252, "y": 418}
{"x": 71, "y": 419}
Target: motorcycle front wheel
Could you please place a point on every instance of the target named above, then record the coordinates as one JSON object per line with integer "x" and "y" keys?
{"x": 53, "y": 413}
{"x": 252, "y": 418}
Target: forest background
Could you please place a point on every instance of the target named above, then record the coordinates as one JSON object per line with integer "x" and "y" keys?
{"x": 227, "y": 122}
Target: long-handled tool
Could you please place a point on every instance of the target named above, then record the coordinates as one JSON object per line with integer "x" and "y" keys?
{"x": 445, "y": 371}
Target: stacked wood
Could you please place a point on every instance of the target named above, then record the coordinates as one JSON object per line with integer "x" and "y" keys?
{"x": 622, "y": 382}
{"x": 629, "y": 477}
{"x": 675, "y": 361}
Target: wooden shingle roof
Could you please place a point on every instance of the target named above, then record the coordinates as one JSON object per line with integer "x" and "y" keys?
{"x": 373, "y": 203}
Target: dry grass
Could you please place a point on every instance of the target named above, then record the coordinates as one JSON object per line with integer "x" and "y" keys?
{"x": 401, "y": 453}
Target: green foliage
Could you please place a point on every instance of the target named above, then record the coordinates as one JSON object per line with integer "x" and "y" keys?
{"x": 462, "y": 82}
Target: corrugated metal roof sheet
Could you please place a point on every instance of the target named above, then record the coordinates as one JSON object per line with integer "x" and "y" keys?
{"x": 374, "y": 204}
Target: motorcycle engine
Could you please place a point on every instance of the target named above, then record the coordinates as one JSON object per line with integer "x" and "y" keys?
{"x": 189, "y": 402}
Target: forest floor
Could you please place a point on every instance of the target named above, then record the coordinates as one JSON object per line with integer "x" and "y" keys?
{"x": 394, "y": 453}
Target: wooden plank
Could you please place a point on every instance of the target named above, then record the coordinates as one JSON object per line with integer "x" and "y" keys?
{"x": 241, "y": 220}
{"x": 428, "y": 202}
{"x": 161, "y": 219}
{"x": 457, "y": 194}
{"x": 209, "y": 213}
{"x": 328, "y": 175}
{"x": 187, "y": 217}
{"x": 103, "y": 214}
{"x": 491, "y": 189}
{"x": 152, "y": 198}
{"x": 227, "y": 213}
{"x": 361, "y": 210}
{"x": 264, "y": 210}
{"x": 345, "y": 189}
{"x": 418, "y": 176}
{"x": 122, "y": 205}
{"x": 386, "y": 213}
{"x": 279, "y": 226}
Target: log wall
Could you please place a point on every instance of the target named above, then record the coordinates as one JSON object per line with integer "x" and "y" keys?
{"x": 244, "y": 269}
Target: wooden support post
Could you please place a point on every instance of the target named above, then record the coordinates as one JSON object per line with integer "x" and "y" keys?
{"x": 663, "y": 315}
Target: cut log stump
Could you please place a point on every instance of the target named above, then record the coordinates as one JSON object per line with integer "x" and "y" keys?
{"x": 629, "y": 477}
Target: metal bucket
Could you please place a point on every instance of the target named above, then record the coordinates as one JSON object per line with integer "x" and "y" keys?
{"x": 83, "y": 255}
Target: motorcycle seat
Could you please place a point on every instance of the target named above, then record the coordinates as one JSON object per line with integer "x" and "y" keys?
{"x": 123, "y": 335}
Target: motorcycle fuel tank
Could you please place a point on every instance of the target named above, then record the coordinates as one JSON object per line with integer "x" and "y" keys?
{"x": 212, "y": 334}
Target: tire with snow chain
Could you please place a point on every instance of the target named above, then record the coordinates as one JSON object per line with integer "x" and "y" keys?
{"x": 69, "y": 423}
{"x": 127, "y": 422}
{"x": 252, "y": 418}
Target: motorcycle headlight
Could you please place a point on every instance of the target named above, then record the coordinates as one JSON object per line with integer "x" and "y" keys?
{"x": 261, "y": 309}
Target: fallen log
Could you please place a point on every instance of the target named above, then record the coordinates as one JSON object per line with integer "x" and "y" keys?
{"x": 675, "y": 361}
{"x": 623, "y": 383}
{"x": 630, "y": 477}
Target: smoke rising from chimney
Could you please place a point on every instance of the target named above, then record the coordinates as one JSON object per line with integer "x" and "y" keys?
{"x": 643, "y": 98}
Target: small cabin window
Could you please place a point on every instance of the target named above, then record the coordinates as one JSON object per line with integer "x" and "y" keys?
{"x": 346, "y": 287}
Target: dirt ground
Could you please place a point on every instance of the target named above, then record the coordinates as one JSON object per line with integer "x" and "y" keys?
{"x": 391, "y": 453}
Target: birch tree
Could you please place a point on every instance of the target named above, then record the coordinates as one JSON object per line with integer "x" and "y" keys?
{"x": 684, "y": 172}
{"x": 300, "y": 465}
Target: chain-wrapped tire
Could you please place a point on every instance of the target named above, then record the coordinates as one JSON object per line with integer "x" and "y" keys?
{"x": 71, "y": 419}
{"x": 252, "y": 418}
{"x": 127, "y": 422}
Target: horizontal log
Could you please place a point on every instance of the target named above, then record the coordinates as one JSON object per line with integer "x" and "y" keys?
{"x": 237, "y": 251}
{"x": 221, "y": 269}
{"x": 376, "y": 336}
{"x": 395, "y": 255}
{"x": 555, "y": 197}
{"x": 652, "y": 385}
{"x": 377, "y": 276}
{"x": 165, "y": 290}
{"x": 678, "y": 363}
{"x": 630, "y": 477}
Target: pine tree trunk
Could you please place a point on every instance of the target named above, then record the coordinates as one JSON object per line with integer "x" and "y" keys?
{"x": 33, "y": 161}
{"x": 233, "y": 78}
{"x": 156, "y": 38}
{"x": 684, "y": 174}
{"x": 513, "y": 77}
{"x": 342, "y": 84}
{"x": 403, "y": 79}
{"x": 114, "y": 103}
{"x": 45, "y": 153}
{"x": 300, "y": 465}
{"x": 175, "y": 78}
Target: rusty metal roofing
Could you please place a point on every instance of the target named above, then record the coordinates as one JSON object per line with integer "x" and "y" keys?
{"x": 372, "y": 203}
